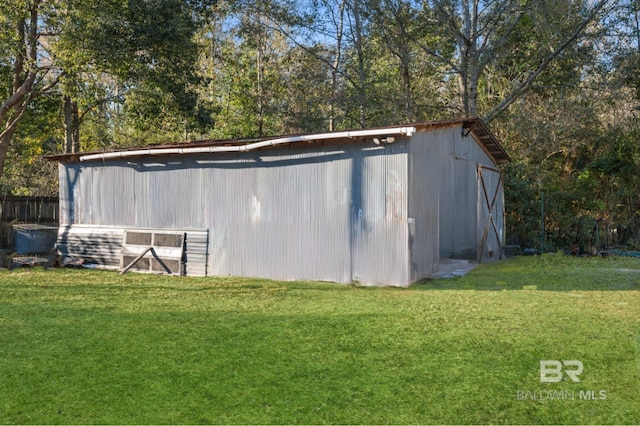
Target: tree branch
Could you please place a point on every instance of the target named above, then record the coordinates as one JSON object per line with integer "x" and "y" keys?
{"x": 15, "y": 119}
{"x": 526, "y": 84}
{"x": 486, "y": 51}
{"x": 95, "y": 104}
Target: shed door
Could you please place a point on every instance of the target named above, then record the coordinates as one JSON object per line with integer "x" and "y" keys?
{"x": 490, "y": 213}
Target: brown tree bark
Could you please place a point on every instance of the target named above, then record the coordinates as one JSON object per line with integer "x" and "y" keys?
{"x": 71, "y": 126}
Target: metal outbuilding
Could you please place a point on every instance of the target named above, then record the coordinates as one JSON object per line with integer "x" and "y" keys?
{"x": 376, "y": 206}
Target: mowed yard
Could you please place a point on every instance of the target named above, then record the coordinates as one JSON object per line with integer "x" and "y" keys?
{"x": 95, "y": 347}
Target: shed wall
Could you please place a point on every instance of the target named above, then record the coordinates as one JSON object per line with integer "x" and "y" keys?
{"x": 425, "y": 176}
{"x": 462, "y": 218}
{"x": 336, "y": 214}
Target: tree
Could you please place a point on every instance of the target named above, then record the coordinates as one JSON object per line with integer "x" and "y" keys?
{"x": 40, "y": 132}
{"x": 58, "y": 46}
{"x": 147, "y": 48}
{"x": 26, "y": 28}
{"x": 483, "y": 31}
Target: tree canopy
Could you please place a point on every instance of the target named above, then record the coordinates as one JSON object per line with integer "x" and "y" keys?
{"x": 557, "y": 81}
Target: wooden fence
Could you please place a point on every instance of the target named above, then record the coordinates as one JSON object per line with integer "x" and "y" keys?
{"x": 13, "y": 210}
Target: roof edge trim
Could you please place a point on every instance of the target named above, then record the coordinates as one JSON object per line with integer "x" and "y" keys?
{"x": 406, "y": 131}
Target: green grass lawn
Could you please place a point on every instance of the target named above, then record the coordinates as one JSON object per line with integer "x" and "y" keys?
{"x": 86, "y": 347}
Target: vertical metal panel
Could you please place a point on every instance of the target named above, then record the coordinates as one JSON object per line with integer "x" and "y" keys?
{"x": 278, "y": 215}
{"x": 379, "y": 215}
{"x": 65, "y": 194}
{"x": 458, "y": 194}
{"x": 425, "y": 179}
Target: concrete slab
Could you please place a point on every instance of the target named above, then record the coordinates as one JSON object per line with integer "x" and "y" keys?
{"x": 450, "y": 268}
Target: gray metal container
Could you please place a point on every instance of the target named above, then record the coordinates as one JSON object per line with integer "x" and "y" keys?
{"x": 34, "y": 239}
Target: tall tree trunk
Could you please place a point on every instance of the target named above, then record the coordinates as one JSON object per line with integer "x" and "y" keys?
{"x": 362, "y": 84}
{"x": 5, "y": 140}
{"x": 335, "y": 68}
{"x": 260, "y": 82}
{"x": 24, "y": 77}
{"x": 393, "y": 18}
{"x": 467, "y": 45}
{"x": 472, "y": 87}
{"x": 71, "y": 126}
{"x": 408, "y": 91}
{"x": 260, "y": 48}
{"x": 636, "y": 22}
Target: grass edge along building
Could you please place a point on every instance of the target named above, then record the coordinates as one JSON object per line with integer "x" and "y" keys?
{"x": 375, "y": 206}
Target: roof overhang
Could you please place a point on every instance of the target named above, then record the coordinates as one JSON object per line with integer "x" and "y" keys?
{"x": 476, "y": 128}
{"x": 470, "y": 126}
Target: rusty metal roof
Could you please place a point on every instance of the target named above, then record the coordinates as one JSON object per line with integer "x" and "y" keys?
{"x": 473, "y": 126}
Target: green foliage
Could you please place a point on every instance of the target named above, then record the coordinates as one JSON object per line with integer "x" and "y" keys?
{"x": 522, "y": 205}
{"x": 26, "y": 172}
{"x": 305, "y": 91}
{"x": 144, "y": 56}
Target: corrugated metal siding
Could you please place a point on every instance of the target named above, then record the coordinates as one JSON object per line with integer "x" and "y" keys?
{"x": 280, "y": 216}
{"x": 462, "y": 218}
{"x": 96, "y": 245}
{"x": 425, "y": 176}
{"x": 67, "y": 178}
{"x": 336, "y": 214}
{"x": 378, "y": 215}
